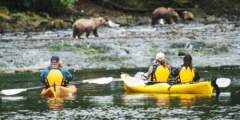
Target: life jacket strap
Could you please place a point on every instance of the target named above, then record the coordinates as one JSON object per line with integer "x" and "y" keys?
{"x": 153, "y": 76}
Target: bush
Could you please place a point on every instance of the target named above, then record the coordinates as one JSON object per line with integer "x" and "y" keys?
{"x": 50, "y": 6}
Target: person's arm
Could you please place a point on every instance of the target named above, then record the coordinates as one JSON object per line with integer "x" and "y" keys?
{"x": 43, "y": 77}
{"x": 174, "y": 75}
{"x": 196, "y": 77}
{"x": 67, "y": 75}
{"x": 151, "y": 71}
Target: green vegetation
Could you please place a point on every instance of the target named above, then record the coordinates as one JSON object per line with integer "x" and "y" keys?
{"x": 32, "y": 15}
{"x": 4, "y": 14}
{"x": 22, "y": 21}
{"x": 150, "y": 4}
{"x": 78, "y": 48}
{"x": 154, "y": 49}
{"x": 50, "y": 6}
{"x": 111, "y": 58}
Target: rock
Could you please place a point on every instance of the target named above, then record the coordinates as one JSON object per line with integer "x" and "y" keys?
{"x": 182, "y": 52}
{"x": 211, "y": 18}
{"x": 112, "y": 24}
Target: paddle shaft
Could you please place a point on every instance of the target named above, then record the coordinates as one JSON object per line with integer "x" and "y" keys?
{"x": 20, "y": 90}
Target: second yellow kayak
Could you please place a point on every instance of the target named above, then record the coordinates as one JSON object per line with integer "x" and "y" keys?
{"x": 194, "y": 88}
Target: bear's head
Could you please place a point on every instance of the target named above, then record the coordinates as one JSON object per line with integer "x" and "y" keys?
{"x": 187, "y": 15}
{"x": 101, "y": 21}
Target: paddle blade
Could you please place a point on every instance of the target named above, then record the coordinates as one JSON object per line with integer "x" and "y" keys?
{"x": 223, "y": 82}
{"x": 103, "y": 80}
{"x": 12, "y": 91}
{"x": 132, "y": 81}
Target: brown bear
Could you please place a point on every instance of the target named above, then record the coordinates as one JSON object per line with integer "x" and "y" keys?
{"x": 167, "y": 14}
{"x": 187, "y": 15}
{"x": 87, "y": 25}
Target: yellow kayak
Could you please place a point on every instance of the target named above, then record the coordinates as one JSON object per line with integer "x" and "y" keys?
{"x": 59, "y": 91}
{"x": 138, "y": 86}
{"x": 56, "y": 89}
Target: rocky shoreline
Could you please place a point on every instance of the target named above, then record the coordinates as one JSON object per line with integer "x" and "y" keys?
{"x": 212, "y": 44}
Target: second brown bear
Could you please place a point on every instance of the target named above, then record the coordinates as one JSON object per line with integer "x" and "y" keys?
{"x": 167, "y": 14}
{"x": 187, "y": 15}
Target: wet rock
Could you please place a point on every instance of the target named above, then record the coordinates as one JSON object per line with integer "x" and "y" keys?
{"x": 211, "y": 19}
{"x": 53, "y": 24}
{"x": 122, "y": 47}
{"x": 3, "y": 64}
{"x": 178, "y": 45}
{"x": 127, "y": 20}
{"x": 182, "y": 52}
{"x": 198, "y": 45}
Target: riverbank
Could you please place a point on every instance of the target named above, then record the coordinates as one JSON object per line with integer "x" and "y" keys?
{"x": 29, "y": 21}
{"x": 212, "y": 44}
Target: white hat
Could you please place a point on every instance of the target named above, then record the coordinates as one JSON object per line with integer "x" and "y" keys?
{"x": 160, "y": 55}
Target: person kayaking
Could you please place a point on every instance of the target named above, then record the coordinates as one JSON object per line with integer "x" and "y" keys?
{"x": 186, "y": 73}
{"x": 160, "y": 70}
{"x": 57, "y": 71}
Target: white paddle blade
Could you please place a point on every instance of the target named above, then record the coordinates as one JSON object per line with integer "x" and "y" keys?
{"x": 12, "y": 91}
{"x": 132, "y": 81}
{"x": 104, "y": 80}
{"x": 12, "y": 98}
{"x": 223, "y": 82}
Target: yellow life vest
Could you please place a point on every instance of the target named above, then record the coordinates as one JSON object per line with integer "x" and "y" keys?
{"x": 161, "y": 74}
{"x": 54, "y": 77}
{"x": 186, "y": 75}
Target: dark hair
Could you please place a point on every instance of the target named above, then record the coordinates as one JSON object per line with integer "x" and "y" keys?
{"x": 187, "y": 61}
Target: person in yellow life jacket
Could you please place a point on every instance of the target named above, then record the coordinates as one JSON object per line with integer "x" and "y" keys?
{"x": 186, "y": 73}
{"x": 160, "y": 70}
{"x": 55, "y": 74}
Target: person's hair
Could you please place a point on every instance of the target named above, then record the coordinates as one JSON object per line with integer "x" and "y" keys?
{"x": 162, "y": 62}
{"x": 187, "y": 61}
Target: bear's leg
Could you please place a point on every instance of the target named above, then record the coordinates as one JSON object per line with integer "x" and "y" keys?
{"x": 75, "y": 32}
{"x": 87, "y": 34}
{"x": 172, "y": 21}
{"x": 154, "y": 21}
{"x": 79, "y": 35}
{"x": 95, "y": 33}
{"x": 168, "y": 20}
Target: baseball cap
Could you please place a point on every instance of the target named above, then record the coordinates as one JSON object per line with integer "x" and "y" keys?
{"x": 55, "y": 59}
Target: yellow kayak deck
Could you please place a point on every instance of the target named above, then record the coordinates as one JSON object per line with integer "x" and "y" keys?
{"x": 189, "y": 88}
{"x": 58, "y": 92}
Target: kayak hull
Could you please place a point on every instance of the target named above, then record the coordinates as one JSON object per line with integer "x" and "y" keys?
{"x": 188, "y": 88}
{"x": 59, "y": 92}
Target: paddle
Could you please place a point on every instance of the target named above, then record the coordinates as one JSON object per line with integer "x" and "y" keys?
{"x": 223, "y": 82}
{"x": 103, "y": 80}
{"x": 220, "y": 83}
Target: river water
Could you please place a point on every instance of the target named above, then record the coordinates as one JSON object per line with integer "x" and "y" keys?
{"x": 111, "y": 102}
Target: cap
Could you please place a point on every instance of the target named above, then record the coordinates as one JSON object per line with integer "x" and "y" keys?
{"x": 160, "y": 55}
{"x": 54, "y": 59}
